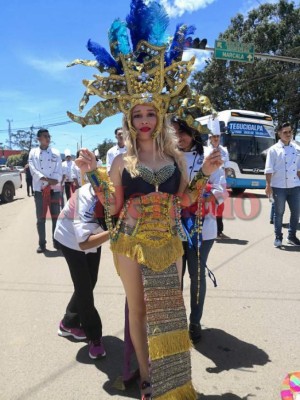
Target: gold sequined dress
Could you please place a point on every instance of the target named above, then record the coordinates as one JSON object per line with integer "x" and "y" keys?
{"x": 150, "y": 235}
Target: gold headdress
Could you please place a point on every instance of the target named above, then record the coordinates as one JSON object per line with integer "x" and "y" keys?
{"x": 152, "y": 72}
{"x": 192, "y": 107}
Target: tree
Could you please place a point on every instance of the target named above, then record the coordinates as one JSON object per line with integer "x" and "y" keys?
{"x": 104, "y": 147}
{"x": 18, "y": 159}
{"x": 267, "y": 86}
{"x": 24, "y": 140}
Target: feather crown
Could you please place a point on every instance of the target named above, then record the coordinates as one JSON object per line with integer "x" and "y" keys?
{"x": 150, "y": 70}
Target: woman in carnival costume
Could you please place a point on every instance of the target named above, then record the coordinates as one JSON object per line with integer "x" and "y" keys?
{"x": 147, "y": 188}
{"x": 199, "y": 220}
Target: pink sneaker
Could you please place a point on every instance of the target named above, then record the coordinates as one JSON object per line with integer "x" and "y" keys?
{"x": 96, "y": 349}
{"x": 76, "y": 333}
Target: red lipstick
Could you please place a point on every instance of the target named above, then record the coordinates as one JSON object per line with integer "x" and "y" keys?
{"x": 145, "y": 129}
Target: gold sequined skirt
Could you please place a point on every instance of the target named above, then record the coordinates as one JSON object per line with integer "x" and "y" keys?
{"x": 157, "y": 250}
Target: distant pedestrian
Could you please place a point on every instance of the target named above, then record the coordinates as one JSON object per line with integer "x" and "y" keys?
{"x": 97, "y": 155}
{"x": 45, "y": 167}
{"x": 214, "y": 143}
{"x": 69, "y": 178}
{"x": 119, "y": 148}
{"x": 28, "y": 176}
{"x": 282, "y": 172}
{"x": 80, "y": 235}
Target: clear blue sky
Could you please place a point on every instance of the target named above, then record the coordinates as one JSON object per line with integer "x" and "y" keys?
{"x": 39, "y": 37}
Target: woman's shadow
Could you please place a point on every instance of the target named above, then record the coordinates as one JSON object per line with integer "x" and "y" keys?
{"x": 228, "y": 352}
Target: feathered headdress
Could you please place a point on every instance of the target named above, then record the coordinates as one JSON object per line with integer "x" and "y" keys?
{"x": 193, "y": 107}
{"x": 150, "y": 70}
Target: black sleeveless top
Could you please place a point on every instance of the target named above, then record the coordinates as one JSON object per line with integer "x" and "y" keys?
{"x": 137, "y": 186}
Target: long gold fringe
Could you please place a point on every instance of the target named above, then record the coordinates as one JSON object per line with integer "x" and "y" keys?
{"x": 156, "y": 259}
{"x": 167, "y": 344}
{"x": 185, "y": 392}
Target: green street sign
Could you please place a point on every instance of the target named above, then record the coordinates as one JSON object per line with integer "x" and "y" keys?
{"x": 234, "y": 51}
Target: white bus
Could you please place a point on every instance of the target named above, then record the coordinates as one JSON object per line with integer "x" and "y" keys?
{"x": 246, "y": 134}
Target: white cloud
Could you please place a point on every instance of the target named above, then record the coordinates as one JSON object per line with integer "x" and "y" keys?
{"x": 53, "y": 68}
{"x": 179, "y": 7}
{"x": 201, "y": 57}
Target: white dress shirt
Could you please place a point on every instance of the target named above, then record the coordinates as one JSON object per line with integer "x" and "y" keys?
{"x": 45, "y": 163}
{"x": 283, "y": 162}
{"x": 76, "y": 222}
{"x": 112, "y": 154}
{"x": 68, "y": 169}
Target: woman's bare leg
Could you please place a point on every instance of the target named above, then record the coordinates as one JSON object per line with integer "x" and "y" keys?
{"x": 131, "y": 277}
{"x": 179, "y": 269}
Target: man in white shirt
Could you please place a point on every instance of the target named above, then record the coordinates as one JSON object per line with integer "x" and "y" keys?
{"x": 214, "y": 143}
{"x": 69, "y": 177}
{"x": 119, "y": 148}
{"x": 282, "y": 172}
{"x": 46, "y": 169}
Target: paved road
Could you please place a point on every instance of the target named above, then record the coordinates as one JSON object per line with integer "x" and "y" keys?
{"x": 251, "y": 320}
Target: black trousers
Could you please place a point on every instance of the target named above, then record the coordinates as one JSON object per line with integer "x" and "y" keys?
{"x": 220, "y": 225}
{"x": 69, "y": 189}
{"x": 81, "y": 309}
{"x": 29, "y": 186}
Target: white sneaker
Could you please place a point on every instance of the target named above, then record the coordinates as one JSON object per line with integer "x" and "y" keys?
{"x": 277, "y": 242}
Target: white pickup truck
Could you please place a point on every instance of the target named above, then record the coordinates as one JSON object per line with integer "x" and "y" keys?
{"x": 9, "y": 182}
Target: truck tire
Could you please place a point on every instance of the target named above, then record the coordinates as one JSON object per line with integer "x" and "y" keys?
{"x": 237, "y": 191}
{"x": 8, "y": 192}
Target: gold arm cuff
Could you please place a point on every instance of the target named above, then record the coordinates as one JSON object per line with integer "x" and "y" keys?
{"x": 99, "y": 179}
{"x": 198, "y": 181}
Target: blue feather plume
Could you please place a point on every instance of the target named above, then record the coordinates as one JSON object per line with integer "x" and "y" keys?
{"x": 160, "y": 22}
{"x": 181, "y": 40}
{"x": 139, "y": 22}
{"x": 118, "y": 38}
{"x": 105, "y": 60}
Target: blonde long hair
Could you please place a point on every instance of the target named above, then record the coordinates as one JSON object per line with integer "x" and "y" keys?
{"x": 164, "y": 144}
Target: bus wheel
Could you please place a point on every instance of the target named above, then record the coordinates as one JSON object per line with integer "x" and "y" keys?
{"x": 236, "y": 191}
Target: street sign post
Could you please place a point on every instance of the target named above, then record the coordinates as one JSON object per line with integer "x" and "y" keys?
{"x": 234, "y": 51}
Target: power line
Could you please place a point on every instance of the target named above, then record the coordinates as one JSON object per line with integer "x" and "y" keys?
{"x": 38, "y": 127}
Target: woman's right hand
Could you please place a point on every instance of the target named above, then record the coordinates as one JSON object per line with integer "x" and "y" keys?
{"x": 86, "y": 161}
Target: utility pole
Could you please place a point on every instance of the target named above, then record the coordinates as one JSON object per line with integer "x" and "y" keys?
{"x": 30, "y": 141}
{"x": 9, "y": 131}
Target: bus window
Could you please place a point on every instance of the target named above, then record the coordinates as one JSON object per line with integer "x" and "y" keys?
{"x": 263, "y": 144}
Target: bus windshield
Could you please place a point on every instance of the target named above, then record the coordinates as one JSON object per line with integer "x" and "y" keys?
{"x": 247, "y": 150}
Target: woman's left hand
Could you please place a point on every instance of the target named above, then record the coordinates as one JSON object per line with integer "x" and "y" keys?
{"x": 212, "y": 162}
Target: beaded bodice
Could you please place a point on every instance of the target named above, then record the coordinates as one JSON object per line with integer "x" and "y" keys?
{"x": 165, "y": 179}
{"x": 158, "y": 177}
